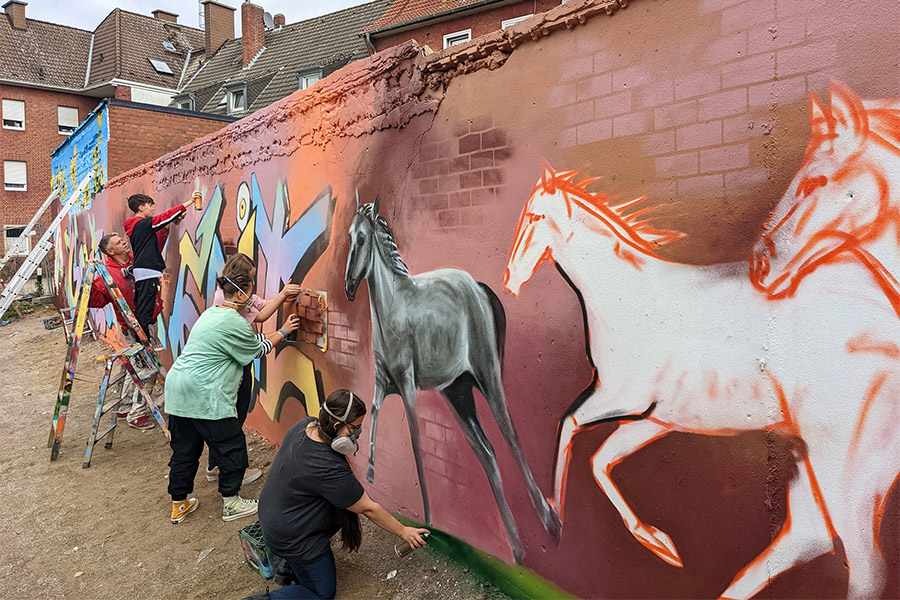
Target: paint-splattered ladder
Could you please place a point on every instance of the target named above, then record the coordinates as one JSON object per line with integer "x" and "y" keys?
{"x": 57, "y": 424}
{"x": 138, "y": 365}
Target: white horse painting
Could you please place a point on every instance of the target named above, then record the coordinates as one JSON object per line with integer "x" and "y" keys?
{"x": 700, "y": 349}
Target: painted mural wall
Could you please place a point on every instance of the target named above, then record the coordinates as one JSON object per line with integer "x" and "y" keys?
{"x": 619, "y": 287}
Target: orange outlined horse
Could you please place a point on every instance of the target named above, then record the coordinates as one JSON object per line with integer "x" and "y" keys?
{"x": 698, "y": 349}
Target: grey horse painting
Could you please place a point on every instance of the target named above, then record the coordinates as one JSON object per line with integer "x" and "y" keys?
{"x": 443, "y": 331}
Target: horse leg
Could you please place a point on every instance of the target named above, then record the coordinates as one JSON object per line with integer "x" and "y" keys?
{"x": 461, "y": 399}
{"x": 377, "y": 400}
{"x": 622, "y": 443}
{"x": 408, "y": 393}
{"x": 496, "y": 399}
{"x": 587, "y": 411}
{"x": 806, "y": 534}
{"x": 865, "y": 563}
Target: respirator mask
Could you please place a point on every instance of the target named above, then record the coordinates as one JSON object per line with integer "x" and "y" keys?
{"x": 249, "y": 298}
{"x": 345, "y": 445}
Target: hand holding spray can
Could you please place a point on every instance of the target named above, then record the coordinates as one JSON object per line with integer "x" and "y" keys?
{"x": 403, "y": 548}
{"x": 197, "y": 196}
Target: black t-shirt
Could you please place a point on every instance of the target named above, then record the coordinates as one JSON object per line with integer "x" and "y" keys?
{"x": 307, "y": 485}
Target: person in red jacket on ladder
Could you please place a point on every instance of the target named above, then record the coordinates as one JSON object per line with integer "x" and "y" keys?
{"x": 148, "y": 233}
{"x": 133, "y": 408}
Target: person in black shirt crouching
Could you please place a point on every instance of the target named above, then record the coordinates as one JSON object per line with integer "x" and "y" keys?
{"x": 311, "y": 493}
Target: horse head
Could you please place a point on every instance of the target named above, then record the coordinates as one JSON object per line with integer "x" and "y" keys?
{"x": 839, "y": 200}
{"x": 534, "y": 234}
{"x": 362, "y": 243}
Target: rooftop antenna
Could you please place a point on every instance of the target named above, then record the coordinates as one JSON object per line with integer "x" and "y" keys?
{"x": 200, "y": 21}
{"x": 268, "y": 20}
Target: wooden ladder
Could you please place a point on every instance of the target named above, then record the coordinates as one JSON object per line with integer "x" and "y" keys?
{"x": 58, "y": 422}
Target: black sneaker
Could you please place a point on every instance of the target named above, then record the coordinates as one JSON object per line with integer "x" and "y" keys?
{"x": 284, "y": 574}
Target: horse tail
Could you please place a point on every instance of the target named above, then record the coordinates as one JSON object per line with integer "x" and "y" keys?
{"x": 499, "y": 320}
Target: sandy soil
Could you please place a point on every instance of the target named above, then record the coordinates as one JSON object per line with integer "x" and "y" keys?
{"x": 104, "y": 532}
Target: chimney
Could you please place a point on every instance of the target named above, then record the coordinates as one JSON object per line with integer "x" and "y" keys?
{"x": 15, "y": 11}
{"x": 219, "y": 23}
{"x": 279, "y": 20}
{"x": 253, "y": 30}
{"x": 164, "y": 15}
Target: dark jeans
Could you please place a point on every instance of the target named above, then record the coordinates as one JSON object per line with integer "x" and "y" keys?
{"x": 244, "y": 396}
{"x": 145, "y": 302}
{"x": 317, "y": 580}
{"x": 226, "y": 444}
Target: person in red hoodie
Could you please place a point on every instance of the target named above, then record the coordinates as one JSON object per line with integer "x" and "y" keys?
{"x": 133, "y": 408}
{"x": 147, "y": 233}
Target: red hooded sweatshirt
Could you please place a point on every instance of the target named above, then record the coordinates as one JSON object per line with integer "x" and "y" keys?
{"x": 100, "y": 296}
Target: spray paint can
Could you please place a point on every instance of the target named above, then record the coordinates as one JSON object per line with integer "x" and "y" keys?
{"x": 198, "y": 201}
{"x": 403, "y": 548}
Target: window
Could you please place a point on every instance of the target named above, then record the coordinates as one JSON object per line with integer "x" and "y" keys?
{"x": 458, "y": 37}
{"x": 68, "y": 119}
{"x": 16, "y": 243}
{"x": 161, "y": 66}
{"x": 184, "y": 102}
{"x": 307, "y": 78}
{"x": 510, "y": 22}
{"x": 13, "y": 114}
{"x": 237, "y": 100}
{"x": 170, "y": 47}
{"x": 14, "y": 176}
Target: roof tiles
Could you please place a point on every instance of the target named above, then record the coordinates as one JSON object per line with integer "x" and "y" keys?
{"x": 402, "y": 11}
{"x": 44, "y": 54}
{"x": 328, "y": 42}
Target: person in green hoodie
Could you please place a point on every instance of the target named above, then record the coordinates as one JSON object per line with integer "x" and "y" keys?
{"x": 201, "y": 395}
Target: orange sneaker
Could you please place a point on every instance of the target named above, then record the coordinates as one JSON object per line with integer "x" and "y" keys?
{"x": 182, "y": 508}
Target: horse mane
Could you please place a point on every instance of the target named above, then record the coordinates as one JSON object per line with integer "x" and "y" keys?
{"x": 385, "y": 238}
{"x": 635, "y": 223}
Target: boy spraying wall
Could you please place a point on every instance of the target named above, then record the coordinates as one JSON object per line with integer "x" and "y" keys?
{"x": 147, "y": 233}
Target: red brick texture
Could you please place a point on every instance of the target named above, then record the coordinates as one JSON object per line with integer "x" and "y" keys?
{"x": 218, "y": 22}
{"x": 455, "y": 177}
{"x": 138, "y": 135}
{"x": 253, "y": 31}
{"x": 698, "y": 120}
{"x": 33, "y": 146}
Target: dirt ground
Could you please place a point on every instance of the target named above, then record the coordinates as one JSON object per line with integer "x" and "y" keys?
{"x": 104, "y": 532}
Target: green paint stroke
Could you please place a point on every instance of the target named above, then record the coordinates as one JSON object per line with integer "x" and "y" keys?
{"x": 515, "y": 581}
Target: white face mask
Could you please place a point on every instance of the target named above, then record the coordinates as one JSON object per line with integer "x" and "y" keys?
{"x": 249, "y": 298}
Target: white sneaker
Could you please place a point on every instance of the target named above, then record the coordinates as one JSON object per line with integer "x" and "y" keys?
{"x": 235, "y": 507}
{"x": 250, "y": 475}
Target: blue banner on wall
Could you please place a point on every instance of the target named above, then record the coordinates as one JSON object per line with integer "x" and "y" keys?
{"x": 84, "y": 150}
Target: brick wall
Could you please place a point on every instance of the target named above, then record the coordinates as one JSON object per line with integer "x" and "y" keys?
{"x": 455, "y": 177}
{"x": 253, "y": 32}
{"x": 140, "y": 135}
{"x": 432, "y": 34}
{"x": 698, "y": 120}
{"x": 33, "y": 146}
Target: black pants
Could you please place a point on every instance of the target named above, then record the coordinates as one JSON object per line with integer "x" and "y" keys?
{"x": 145, "y": 302}
{"x": 226, "y": 444}
{"x": 244, "y": 396}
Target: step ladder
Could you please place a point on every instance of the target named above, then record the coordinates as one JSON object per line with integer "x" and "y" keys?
{"x": 40, "y": 250}
{"x": 15, "y": 250}
{"x": 143, "y": 375}
{"x": 58, "y": 422}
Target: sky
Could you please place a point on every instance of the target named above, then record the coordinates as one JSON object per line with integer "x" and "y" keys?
{"x": 87, "y": 14}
